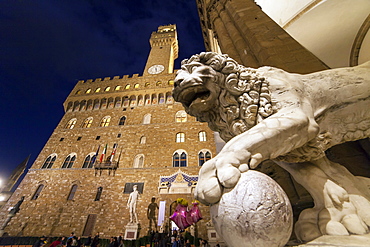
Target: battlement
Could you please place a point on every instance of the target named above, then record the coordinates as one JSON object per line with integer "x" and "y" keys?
{"x": 124, "y": 78}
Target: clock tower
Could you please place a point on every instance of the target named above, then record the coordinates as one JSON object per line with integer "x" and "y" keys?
{"x": 164, "y": 51}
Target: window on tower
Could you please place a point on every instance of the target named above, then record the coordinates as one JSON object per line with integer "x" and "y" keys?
{"x": 107, "y": 89}
{"x": 203, "y": 156}
{"x": 89, "y": 160}
{"x": 122, "y": 120}
{"x": 71, "y": 123}
{"x": 49, "y": 161}
{"x": 97, "y": 90}
{"x": 139, "y": 161}
{"x": 98, "y": 194}
{"x": 202, "y": 136}
{"x": 68, "y": 162}
{"x": 180, "y": 137}
{"x": 105, "y": 121}
{"x": 117, "y": 88}
{"x": 181, "y": 116}
{"x": 179, "y": 159}
{"x": 72, "y": 192}
{"x": 143, "y": 140}
{"x": 87, "y": 123}
{"x": 147, "y": 118}
{"x": 136, "y": 85}
{"x": 127, "y": 86}
{"x": 88, "y": 91}
{"x": 38, "y": 192}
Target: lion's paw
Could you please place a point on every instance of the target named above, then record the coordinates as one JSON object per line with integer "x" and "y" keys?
{"x": 208, "y": 189}
{"x": 218, "y": 173}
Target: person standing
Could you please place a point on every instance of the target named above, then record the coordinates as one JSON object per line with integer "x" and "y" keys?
{"x": 96, "y": 240}
{"x": 40, "y": 242}
{"x": 88, "y": 241}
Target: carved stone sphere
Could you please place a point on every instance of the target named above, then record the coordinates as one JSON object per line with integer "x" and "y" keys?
{"x": 256, "y": 212}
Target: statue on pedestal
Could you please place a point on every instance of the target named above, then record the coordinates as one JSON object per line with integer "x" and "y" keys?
{"x": 131, "y": 204}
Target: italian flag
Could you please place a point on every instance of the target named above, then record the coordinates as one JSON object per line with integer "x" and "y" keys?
{"x": 103, "y": 153}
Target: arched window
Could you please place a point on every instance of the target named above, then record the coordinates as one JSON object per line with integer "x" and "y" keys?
{"x": 68, "y": 162}
{"x": 203, "y": 156}
{"x": 143, "y": 140}
{"x": 139, "y": 161}
{"x": 179, "y": 159}
{"x": 97, "y": 90}
{"x": 71, "y": 123}
{"x": 122, "y": 120}
{"x": 72, "y": 192}
{"x": 181, "y": 116}
{"x": 98, "y": 194}
{"x": 170, "y": 82}
{"x": 49, "y": 161}
{"x": 37, "y": 193}
{"x": 89, "y": 160}
{"x": 127, "y": 86}
{"x": 147, "y": 118}
{"x": 87, "y": 123}
{"x": 136, "y": 85}
{"x": 107, "y": 89}
{"x": 147, "y": 84}
{"x": 88, "y": 91}
{"x": 202, "y": 136}
{"x": 105, "y": 121}
{"x": 180, "y": 137}
{"x": 159, "y": 83}
{"x": 117, "y": 88}
{"x": 78, "y": 92}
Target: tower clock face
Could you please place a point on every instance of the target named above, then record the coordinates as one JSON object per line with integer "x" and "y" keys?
{"x": 156, "y": 69}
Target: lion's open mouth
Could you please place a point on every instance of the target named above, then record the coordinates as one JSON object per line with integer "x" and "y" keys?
{"x": 195, "y": 94}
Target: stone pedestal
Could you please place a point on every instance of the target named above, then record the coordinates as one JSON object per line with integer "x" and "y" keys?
{"x": 132, "y": 231}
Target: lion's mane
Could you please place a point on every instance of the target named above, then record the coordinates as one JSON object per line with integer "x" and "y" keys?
{"x": 244, "y": 101}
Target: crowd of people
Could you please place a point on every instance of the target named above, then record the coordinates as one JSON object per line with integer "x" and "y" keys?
{"x": 72, "y": 241}
{"x": 174, "y": 239}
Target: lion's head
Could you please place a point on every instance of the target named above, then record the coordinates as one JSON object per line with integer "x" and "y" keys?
{"x": 216, "y": 89}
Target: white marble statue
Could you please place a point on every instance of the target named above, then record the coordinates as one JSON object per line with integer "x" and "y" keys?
{"x": 131, "y": 204}
{"x": 268, "y": 113}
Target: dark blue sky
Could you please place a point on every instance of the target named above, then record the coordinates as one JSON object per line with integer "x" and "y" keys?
{"x": 47, "y": 45}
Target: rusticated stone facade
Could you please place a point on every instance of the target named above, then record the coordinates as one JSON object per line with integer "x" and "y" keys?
{"x": 138, "y": 116}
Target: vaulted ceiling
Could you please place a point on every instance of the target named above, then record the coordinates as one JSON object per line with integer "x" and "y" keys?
{"x": 336, "y": 31}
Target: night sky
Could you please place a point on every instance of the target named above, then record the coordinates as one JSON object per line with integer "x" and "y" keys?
{"x": 46, "y": 46}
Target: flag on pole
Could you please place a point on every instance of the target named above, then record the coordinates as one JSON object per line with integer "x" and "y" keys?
{"x": 113, "y": 152}
{"x": 103, "y": 153}
{"x": 96, "y": 155}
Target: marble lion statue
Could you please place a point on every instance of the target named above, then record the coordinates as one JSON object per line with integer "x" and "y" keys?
{"x": 268, "y": 113}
